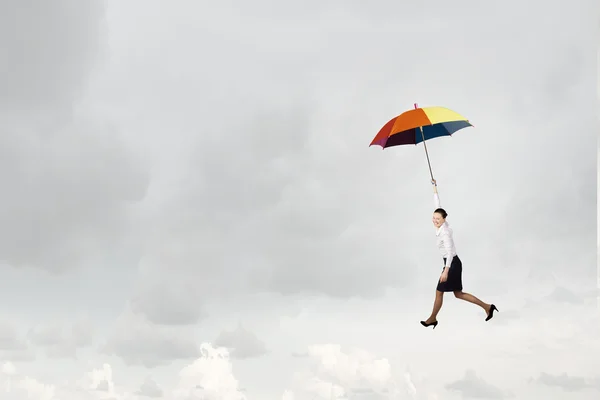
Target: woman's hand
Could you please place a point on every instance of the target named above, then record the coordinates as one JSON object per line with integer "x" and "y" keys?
{"x": 444, "y": 276}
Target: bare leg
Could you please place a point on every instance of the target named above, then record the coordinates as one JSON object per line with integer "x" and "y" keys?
{"x": 437, "y": 305}
{"x": 472, "y": 299}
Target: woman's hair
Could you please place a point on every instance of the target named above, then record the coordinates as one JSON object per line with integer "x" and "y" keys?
{"x": 442, "y": 212}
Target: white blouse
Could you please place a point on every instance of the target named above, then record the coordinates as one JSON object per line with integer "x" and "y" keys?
{"x": 445, "y": 242}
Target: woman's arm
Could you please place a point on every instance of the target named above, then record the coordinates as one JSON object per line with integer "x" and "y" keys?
{"x": 436, "y": 197}
{"x": 449, "y": 246}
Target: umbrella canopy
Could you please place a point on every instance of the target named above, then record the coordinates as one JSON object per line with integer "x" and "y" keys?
{"x": 414, "y": 126}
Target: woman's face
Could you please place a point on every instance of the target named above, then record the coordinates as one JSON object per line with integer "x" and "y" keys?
{"x": 438, "y": 220}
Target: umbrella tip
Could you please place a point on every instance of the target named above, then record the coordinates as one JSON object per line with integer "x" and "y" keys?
{"x": 416, "y": 105}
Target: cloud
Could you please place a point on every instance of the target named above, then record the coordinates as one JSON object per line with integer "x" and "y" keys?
{"x": 358, "y": 367}
{"x": 474, "y": 387}
{"x": 8, "y": 368}
{"x": 62, "y": 339}
{"x": 351, "y": 372}
{"x": 241, "y": 343}
{"x": 323, "y": 389}
{"x": 95, "y": 385}
{"x": 168, "y": 300}
{"x": 13, "y": 347}
{"x": 568, "y": 383}
{"x": 288, "y": 395}
{"x": 209, "y": 377}
{"x": 27, "y": 388}
{"x": 24, "y": 387}
{"x": 9, "y": 339}
{"x": 149, "y": 388}
{"x": 139, "y": 342}
{"x": 410, "y": 386}
{"x": 21, "y": 355}
{"x": 102, "y": 380}
{"x": 59, "y": 339}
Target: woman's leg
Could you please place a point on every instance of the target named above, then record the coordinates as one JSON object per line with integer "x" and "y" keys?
{"x": 437, "y": 305}
{"x": 472, "y": 299}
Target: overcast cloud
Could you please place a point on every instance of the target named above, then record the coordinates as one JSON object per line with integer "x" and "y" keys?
{"x": 190, "y": 208}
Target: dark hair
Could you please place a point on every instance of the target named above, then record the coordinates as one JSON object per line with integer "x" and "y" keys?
{"x": 442, "y": 212}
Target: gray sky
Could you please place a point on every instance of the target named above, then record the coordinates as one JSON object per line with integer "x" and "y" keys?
{"x": 190, "y": 209}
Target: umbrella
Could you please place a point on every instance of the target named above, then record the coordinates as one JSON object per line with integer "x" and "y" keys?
{"x": 418, "y": 125}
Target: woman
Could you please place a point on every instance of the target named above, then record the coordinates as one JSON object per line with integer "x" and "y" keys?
{"x": 451, "y": 278}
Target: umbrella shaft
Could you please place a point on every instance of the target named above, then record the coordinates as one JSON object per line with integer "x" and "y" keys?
{"x": 426, "y": 152}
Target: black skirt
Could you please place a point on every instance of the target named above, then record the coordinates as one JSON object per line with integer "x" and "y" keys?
{"x": 454, "y": 281}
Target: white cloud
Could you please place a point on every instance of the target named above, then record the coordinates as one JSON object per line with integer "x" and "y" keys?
{"x": 97, "y": 384}
{"x": 21, "y": 387}
{"x": 324, "y": 389}
{"x": 8, "y": 368}
{"x": 341, "y": 374}
{"x": 102, "y": 380}
{"x": 410, "y": 386}
{"x": 357, "y": 368}
{"x": 209, "y": 377}
{"x": 33, "y": 389}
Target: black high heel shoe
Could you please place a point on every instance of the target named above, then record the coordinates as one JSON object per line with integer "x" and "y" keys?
{"x": 425, "y": 324}
{"x": 491, "y": 313}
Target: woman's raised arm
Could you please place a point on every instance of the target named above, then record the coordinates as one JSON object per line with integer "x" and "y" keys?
{"x": 436, "y": 197}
